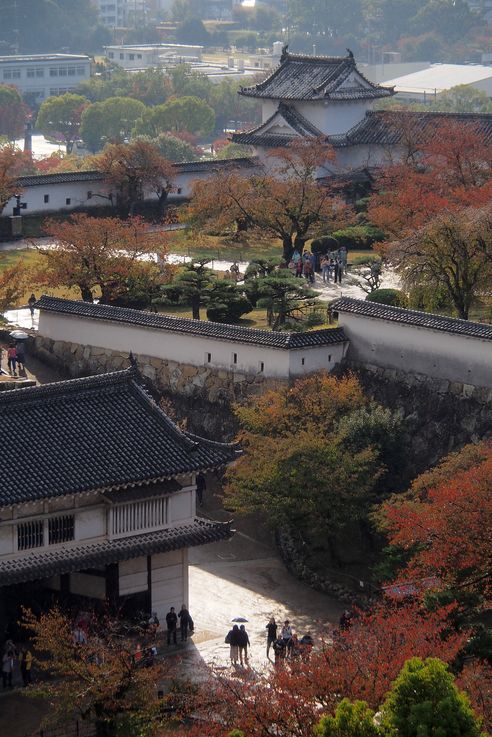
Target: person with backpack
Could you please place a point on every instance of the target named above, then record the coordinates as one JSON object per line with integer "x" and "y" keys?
{"x": 233, "y": 639}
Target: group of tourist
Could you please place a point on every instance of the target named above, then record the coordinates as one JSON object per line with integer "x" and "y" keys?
{"x": 186, "y": 624}
{"x": 238, "y": 640}
{"x": 283, "y": 640}
{"x": 11, "y": 660}
{"x": 286, "y": 643}
{"x": 307, "y": 264}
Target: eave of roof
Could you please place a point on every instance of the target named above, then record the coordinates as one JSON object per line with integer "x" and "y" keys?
{"x": 42, "y": 563}
{"x": 205, "y": 328}
{"x": 300, "y": 77}
{"x": 384, "y": 127}
{"x": 260, "y": 135}
{"x": 101, "y": 433}
{"x": 92, "y": 175}
{"x": 415, "y": 318}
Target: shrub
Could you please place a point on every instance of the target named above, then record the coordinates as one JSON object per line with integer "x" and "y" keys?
{"x": 227, "y": 303}
{"x": 324, "y": 244}
{"x": 359, "y": 237}
{"x": 393, "y": 297}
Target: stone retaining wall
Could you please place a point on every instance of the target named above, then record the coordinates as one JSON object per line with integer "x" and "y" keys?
{"x": 439, "y": 416}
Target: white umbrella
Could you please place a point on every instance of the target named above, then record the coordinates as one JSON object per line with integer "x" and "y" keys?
{"x": 19, "y": 335}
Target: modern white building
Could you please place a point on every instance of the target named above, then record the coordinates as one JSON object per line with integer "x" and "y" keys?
{"x": 44, "y": 75}
{"x": 147, "y": 56}
{"x": 121, "y": 13}
{"x": 215, "y": 346}
{"x": 416, "y": 342}
{"x": 105, "y": 511}
{"x": 426, "y": 85}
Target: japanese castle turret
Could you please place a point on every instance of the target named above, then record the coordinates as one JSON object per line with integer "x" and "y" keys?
{"x": 309, "y": 96}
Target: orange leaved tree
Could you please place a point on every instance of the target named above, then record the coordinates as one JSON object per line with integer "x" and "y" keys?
{"x": 101, "y": 681}
{"x": 283, "y": 201}
{"x": 103, "y": 255}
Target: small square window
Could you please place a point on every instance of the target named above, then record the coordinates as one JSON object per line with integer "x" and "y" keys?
{"x": 46, "y": 198}
{"x": 261, "y": 366}
{"x": 208, "y": 357}
{"x": 303, "y": 361}
{"x": 68, "y": 201}
{"x": 329, "y": 358}
{"x": 234, "y": 358}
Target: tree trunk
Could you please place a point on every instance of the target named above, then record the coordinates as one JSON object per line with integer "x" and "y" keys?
{"x": 86, "y": 293}
{"x": 288, "y": 248}
{"x": 195, "y": 308}
{"x": 162, "y": 202}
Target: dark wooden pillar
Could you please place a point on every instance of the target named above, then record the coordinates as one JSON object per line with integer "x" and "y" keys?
{"x": 112, "y": 585}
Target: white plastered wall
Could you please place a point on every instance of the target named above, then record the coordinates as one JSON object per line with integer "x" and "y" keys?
{"x": 169, "y": 582}
{"x": 412, "y": 349}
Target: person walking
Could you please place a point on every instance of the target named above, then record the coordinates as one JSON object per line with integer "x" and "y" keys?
{"x": 185, "y": 623}
{"x": 299, "y": 266}
{"x": 8, "y": 668}
{"x": 286, "y": 636}
{"x": 340, "y": 270}
{"x": 233, "y": 639}
{"x": 201, "y": 486}
{"x": 243, "y": 645}
{"x": 325, "y": 269}
{"x": 12, "y": 359}
{"x": 26, "y": 665}
{"x": 271, "y": 634}
{"x": 31, "y": 302}
{"x": 20, "y": 354}
{"x": 172, "y": 624}
{"x": 308, "y": 271}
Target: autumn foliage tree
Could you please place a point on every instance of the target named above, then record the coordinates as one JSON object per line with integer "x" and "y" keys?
{"x": 445, "y": 524}
{"x": 444, "y": 167}
{"x": 101, "y": 681}
{"x": 304, "y": 464}
{"x": 102, "y": 256}
{"x": 284, "y": 201}
{"x": 13, "y": 112}
{"x": 453, "y": 252}
{"x": 13, "y": 164}
{"x": 135, "y": 169}
{"x": 359, "y": 664}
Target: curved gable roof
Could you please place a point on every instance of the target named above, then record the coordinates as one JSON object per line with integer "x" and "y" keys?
{"x": 300, "y": 77}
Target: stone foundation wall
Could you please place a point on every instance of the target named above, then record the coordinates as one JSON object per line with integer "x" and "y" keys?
{"x": 202, "y": 394}
{"x": 439, "y": 416}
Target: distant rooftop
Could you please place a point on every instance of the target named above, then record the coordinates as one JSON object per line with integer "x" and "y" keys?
{"x": 35, "y": 58}
{"x": 440, "y": 77}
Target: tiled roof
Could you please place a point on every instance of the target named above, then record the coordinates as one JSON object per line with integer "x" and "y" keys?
{"x": 386, "y": 127}
{"x": 205, "y": 328}
{"x": 260, "y": 136}
{"x": 413, "y": 317}
{"x": 92, "y": 175}
{"x": 98, "y": 433}
{"x": 67, "y": 558}
{"x": 315, "y": 78}
{"x": 63, "y": 177}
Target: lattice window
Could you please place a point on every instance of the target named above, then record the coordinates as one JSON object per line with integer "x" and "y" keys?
{"x": 61, "y": 529}
{"x": 30, "y": 535}
{"x": 139, "y": 516}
